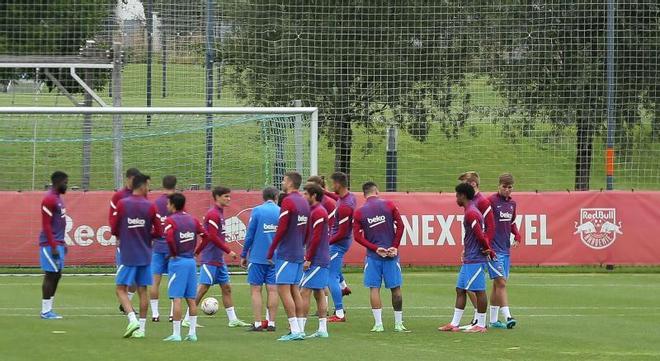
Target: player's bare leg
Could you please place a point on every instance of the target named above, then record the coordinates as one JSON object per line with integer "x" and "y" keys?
{"x": 322, "y": 311}
{"x": 255, "y": 293}
{"x": 500, "y": 302}
{"x": 143, "y": 295}
{"x": 376, "y": 309}
{"x": 201, "y": 292}
{"x": 153, "y": 298}
{"x": 289, "y": 294}
{"x": 482, "y": 306}
{"x": 192, "y": 310}
{"x": 273, "y": 303}
{"x": 305, "y": 297}
{"x": 176, "y": 320}
{"x": 122, "y": 296}
{"x": 397, "y": 305}
{"x": 48, "y": 289}
{"x": 228, "y": 303}
{"x": 473, "y": 301}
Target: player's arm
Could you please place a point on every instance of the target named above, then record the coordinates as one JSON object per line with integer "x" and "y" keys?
{"x": 116, "y": 216}
{"x": 315, "y": 238}
{"x": 156, "y": 222}
{"x": 482, "y": 238}
{"x": 48, "y": 208}
{"x": 249, "y": 235}
{"x": 514, "y": 228}
{"x": 489, "y": 219}
{"x": 282, "y": 225}
{"x": 114, "y": 202}
{"x": 170, "y": 229}
{"x": 358, "y": 232}
{"x": 214, "y": 224}
{"x": 332, "y": 195}
{"x": 345, "y": 213}
{"x": 398, "y": 223}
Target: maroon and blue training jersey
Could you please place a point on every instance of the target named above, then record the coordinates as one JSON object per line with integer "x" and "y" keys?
{"x": 475, "y": 240}
{"x": 116, "y": 197}
{"x": 483, "y": 205}
{"x": 342, "y": 230}
{"x": 136, "y": 224}
{"x": 53, "y": 222}
{"x": 330, "y": 206}
{"x": 377, "y": 224}
{"x": 213, "y": 249}
{"x": 160, "y": 244}
{"x": 318, "y": 246}
{"x": 504, "y": 211}
{"x": 289, "y": 241}
{"x": 181, "y": 231}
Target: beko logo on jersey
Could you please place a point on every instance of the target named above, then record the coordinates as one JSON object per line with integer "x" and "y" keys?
{"x": 186, "y": 236}
{"x": 375, "y": 221}
{"x": 505, "y": 216}
{"x": 302, "y": 220}
{"x": 135, "y": 222}
{"x": 270, "y": 228}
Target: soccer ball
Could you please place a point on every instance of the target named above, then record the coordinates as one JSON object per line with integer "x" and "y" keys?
{"x": 210, "y": 306}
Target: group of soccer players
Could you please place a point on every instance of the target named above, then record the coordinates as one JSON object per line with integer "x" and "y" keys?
{"x": 295, "y": 249}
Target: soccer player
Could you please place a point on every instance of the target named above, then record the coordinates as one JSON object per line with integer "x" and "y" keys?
{"x": 289, "y": 243}
{"x": 483, "y": 205}
{"x": 116, "y": 197}
{"x": 340, "y": 241}
{"x": 476, "y": 254}
{"x": 160, "y": 256}
{"x": 181, "y": 231}
{"x": 52, "y": 248}
{"x": 317, "y": 259}
{"x": 504, "y": 211}
{"x": 213, "y": 270}
{"x": 135, "y": 223}
{"x": 260, "y": 233}
{"x": 378, "y": 226}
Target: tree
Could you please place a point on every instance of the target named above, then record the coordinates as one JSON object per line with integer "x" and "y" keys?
{"x": 357, "y": 61}
{"x": 549, "y": 60}
{"x": 57, "y": 27}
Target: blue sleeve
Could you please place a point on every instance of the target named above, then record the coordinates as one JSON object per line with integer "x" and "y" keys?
{"x": 251, "y": 231}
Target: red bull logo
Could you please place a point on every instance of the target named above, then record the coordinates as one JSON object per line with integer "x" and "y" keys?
{"x": 598, "y": 227}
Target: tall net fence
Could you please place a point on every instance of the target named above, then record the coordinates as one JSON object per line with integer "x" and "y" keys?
{"x": 411, "y": 93}
{"x": 245, "y": 151}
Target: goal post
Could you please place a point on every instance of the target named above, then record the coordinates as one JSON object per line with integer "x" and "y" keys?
{"x": 242, "y": 147}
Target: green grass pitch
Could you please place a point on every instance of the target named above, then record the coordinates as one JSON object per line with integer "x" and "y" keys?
{"x": 562, "y": 316}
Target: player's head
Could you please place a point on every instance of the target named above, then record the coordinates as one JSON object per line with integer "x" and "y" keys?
{"x": 370, "y": 189}
{"x": 280, "y": 198}
{"x": 291, "y": 181}
{"x": 339, "y": 181}
{"x": 60, "y": 181}
{"x": 313, "y": 193}
{"x": 505, "y": 186}
{"x": 140, "y": 184}
{"x": 221, "y": 196}
{"x": 130, "y": 173}
{"x": 318, "y": 179}
{"x": 169, "y": 182}
{"x": 471, "y": 178}
{"x": 176, "y": 202}
{"x": 270, "y": 194}
{"x": 464, "y": 194}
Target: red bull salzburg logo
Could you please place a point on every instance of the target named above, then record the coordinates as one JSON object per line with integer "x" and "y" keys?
{"x": 598, "y": 227}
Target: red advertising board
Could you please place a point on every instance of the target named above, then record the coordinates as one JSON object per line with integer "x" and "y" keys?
{"x": 558, "y": 228}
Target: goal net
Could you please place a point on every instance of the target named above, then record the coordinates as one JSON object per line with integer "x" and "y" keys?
{"x": 242, "y": 148}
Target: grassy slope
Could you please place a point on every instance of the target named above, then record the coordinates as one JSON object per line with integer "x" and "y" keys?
{"x": 429, "y": 166}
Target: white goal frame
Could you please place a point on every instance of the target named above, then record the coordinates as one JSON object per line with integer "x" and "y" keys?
{"x": 117, "y": 113}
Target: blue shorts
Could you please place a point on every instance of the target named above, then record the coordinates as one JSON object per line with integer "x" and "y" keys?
{"x": 133, "y": 275}
{"x": 315, "y": 278}
{"x": 499, "y": 267}
{"x": 288, "y": 273}
{"x": 259, "y": 274}
{"x": 183, "y": 279}
{"x": 377, "y": 271}
{"x": 159, "y": 263}
{"x": 213, "y": 275}
{"x": 50, "y": 263}
{"x": 472, "y": 277}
